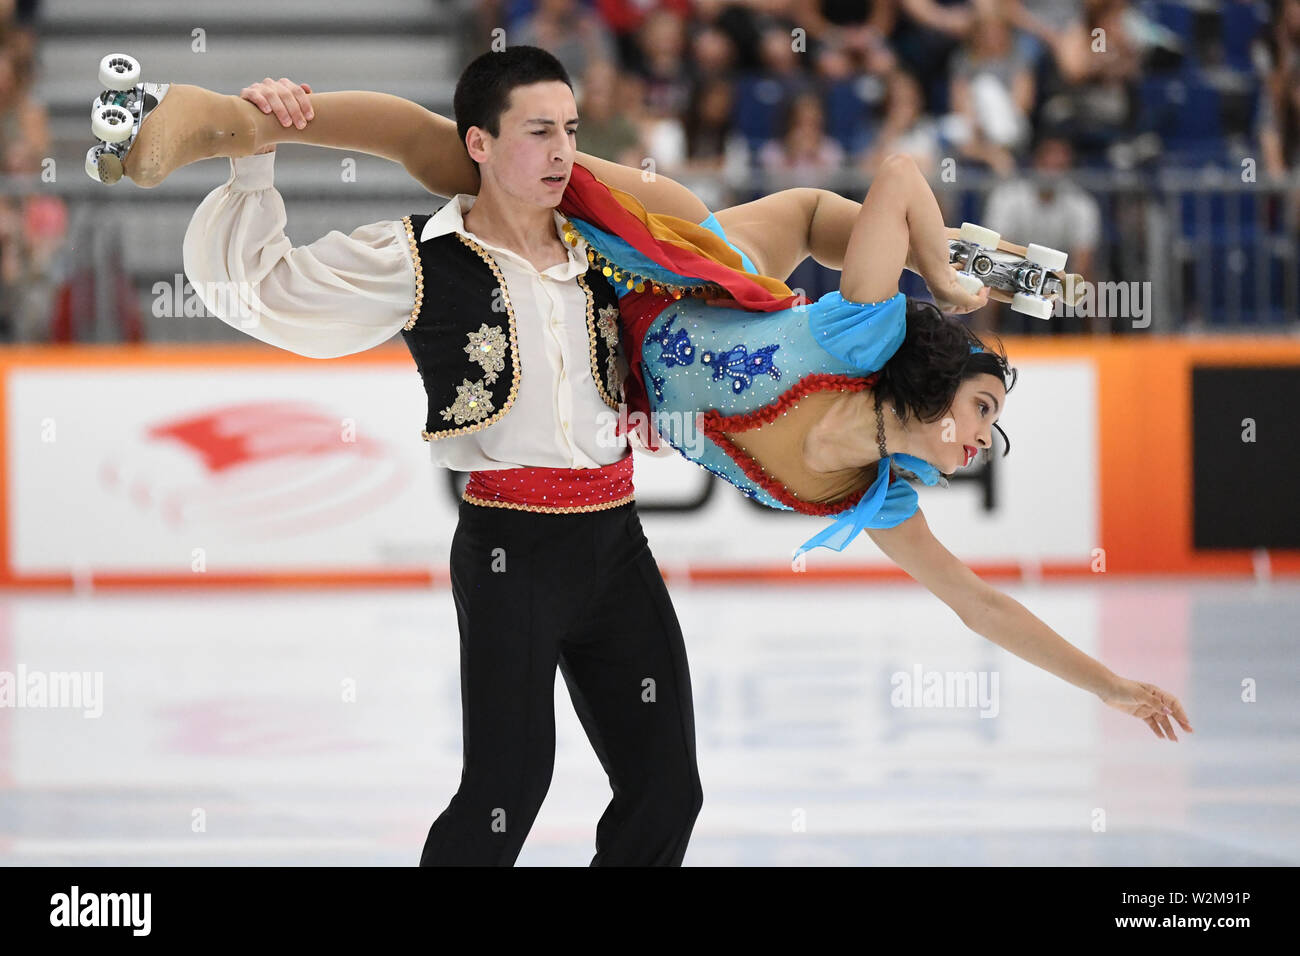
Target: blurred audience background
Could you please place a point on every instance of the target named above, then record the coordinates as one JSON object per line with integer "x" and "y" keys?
{"x": 1024, "y": 115}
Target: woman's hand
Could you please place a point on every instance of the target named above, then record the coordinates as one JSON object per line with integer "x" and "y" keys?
{"x": 286, "y": 99}
{"x": 950, "y": 297}
{"x": 1149, "y": 703}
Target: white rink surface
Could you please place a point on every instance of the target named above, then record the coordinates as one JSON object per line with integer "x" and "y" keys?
{"x": 231, "y": 703}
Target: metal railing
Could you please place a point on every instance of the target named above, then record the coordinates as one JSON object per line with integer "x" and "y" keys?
{"x": 1215, "y": 251}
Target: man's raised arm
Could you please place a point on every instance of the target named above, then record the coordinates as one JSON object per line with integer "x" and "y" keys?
{"x": 338, "y": 295}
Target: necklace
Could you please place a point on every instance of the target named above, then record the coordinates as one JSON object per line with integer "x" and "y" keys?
{"x": 880, "y": 427}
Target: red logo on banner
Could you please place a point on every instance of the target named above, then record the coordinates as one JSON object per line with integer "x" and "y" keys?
{"x": 240, "y": 435}
{"x": 275, "y": 469}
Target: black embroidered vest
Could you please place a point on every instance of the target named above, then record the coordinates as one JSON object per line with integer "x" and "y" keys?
{"x": 462, "y": 333}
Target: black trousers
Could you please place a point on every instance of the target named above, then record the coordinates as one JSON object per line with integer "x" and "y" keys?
{"x": 581, "y": 591}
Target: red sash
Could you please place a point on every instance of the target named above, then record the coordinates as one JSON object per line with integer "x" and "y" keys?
{"x": 553, "y": 490}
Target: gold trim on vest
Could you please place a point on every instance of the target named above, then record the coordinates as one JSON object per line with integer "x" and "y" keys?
{"x": 419, "y": 274}
{"x": 466, "y": 393}
{"x": 597, "y": 376}
{"x": 607, "y": 323}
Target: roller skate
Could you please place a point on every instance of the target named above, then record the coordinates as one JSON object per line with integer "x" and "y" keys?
{"x": 1030, "y": 277}
{"x": 146, "y": 130}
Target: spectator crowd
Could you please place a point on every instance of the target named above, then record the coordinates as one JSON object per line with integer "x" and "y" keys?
{"x": 818, "y": 92}
{"x": 734, "y": 96}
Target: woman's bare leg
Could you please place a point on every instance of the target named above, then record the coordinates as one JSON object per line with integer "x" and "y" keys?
{"x": 832, "y": 225}
{"x": 816, "y": 222}
{"x": 900, "y": 218}
{"x": 425, "y": 143}
{"x": 775, "y": 231}
{"x": 661, "y": 195}
{"x": 428, "y": 145}
{"x": 194, "y": 123}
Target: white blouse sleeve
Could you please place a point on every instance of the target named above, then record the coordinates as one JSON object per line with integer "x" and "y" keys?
{"x": 338, "y": 295}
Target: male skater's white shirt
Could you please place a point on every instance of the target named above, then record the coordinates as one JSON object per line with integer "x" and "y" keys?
{"x": 345, "y": 294}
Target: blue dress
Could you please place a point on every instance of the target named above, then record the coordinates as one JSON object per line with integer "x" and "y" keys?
{"x": 706, "y": 358}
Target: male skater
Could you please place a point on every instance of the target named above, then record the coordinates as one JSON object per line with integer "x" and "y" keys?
{"x": 515, "y": 338}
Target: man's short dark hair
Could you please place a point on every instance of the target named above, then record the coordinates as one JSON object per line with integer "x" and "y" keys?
{"x": 483, "y": 90}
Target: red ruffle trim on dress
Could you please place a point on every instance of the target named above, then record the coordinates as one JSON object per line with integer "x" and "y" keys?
{"x": 715, "y": 424}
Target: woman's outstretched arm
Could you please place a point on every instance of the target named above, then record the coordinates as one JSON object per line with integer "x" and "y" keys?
{"x": 1006, "y": 622}
{"x": 425, "y": 143}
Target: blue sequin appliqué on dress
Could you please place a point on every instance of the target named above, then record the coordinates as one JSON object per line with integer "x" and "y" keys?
{"x": 741, "y": 366}
{"x": 676, "y": 345}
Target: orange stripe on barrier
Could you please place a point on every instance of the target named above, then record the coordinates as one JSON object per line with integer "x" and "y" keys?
{"x": 777, "y": 574}
{"x": 270, "y": 579}
{"x": 146, "y": 356}
{"x": 703, "y": 574}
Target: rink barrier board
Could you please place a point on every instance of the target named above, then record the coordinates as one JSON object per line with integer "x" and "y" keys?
{"x": 1143, "y": 420}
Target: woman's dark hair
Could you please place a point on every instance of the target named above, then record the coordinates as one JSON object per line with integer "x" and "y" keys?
{"x": 483, "y": 90}
{"x": 921, "y": 378}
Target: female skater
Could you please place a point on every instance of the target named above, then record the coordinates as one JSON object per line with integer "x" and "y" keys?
{"x": 808, "y": 448}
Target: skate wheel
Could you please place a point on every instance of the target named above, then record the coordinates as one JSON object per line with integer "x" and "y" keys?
{"x": 118, "y": 71}
{"x": 112, "y": 123}
{"x": 92, "y": 163}
{"x": 1053, "y": 260}
{"x": 979, "y": 235}
{"x": 1034, "y": 305}
{"x": 970, "y": 283}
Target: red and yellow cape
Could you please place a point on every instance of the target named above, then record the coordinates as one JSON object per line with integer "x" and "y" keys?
{"x": 684, "y": 247}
